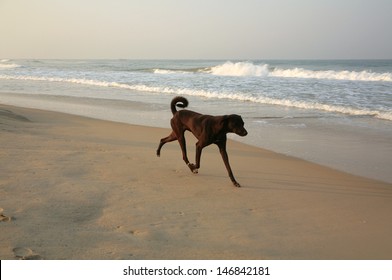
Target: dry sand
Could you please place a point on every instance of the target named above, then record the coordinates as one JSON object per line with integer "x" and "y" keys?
{"x": 79, "y": 188}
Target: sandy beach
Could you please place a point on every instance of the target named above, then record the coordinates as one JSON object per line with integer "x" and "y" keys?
{"x": 79, "y": 188}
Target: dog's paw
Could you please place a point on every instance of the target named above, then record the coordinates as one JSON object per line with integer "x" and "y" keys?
{"x": 193, "y": 168}
{"x": 236, "y": 184}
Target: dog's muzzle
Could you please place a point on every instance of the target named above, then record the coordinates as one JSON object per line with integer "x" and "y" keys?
{"x": 242, "y": 132}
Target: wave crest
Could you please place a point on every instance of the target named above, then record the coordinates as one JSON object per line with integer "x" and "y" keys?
{"x": 4, "y": 65}
{"x": 168, "y": 71}
{"x": 263, "y": 70}
{"x": 332, "y": 75}
{"x": 239, "y": 69}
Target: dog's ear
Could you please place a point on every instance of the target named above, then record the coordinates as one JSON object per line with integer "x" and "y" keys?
{"x": 224, "y": 122}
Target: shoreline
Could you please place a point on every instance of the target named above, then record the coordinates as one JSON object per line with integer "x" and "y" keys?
{"x": 349, "y": 145}
{"x": 81, "y": 188}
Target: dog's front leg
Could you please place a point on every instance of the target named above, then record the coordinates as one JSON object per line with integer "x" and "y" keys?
{"x": 225, "y": 157}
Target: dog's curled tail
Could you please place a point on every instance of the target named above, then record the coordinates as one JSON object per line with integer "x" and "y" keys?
{"x": 182, "y": 103}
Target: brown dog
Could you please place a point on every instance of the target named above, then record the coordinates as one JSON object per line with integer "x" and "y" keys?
{"x": 207, "y": 129}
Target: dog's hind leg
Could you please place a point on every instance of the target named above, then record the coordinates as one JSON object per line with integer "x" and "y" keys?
{"x": 181, "y": 141}
{"x": 170, "y": 138}
{"x": 196, "y": 166}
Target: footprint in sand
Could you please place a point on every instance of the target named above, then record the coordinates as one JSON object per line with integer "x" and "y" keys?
{"x": 139, "y": 232}
{"x": 23, "y": 253}
{"x": 4, "y": 218}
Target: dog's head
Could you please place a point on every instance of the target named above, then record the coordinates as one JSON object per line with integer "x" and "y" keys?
{"x": 235, "y": 124}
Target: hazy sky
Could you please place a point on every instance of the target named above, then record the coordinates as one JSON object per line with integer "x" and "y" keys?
{"x": 196, "y": 29}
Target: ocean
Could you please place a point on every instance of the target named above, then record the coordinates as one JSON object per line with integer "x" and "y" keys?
{"x": 333, "y": 112}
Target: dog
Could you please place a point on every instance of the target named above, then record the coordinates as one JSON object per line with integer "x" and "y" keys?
{"x": 207, "y": 129}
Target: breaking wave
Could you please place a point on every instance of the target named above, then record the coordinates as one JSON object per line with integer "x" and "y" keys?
{"x": 169, "y": 71}
{"x": 240, "y": 69}
{"x": 4, "y": 64}
{"x": 213, "y": 94}
{"x": 263, "y": 70}
{"x": 332, "y": 75}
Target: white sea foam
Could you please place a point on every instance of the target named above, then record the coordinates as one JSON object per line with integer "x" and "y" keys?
{"x": 163, "y": 71}
{"x": 239, "y": 69}
{"x": 332, "y": 75}
{"x": 213, "y": 94}
{"x": 289, "y": 103}
{"x": 5, "y": 65}
{"x": 250, "y": 69}
{"x": 167, "y": 71}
